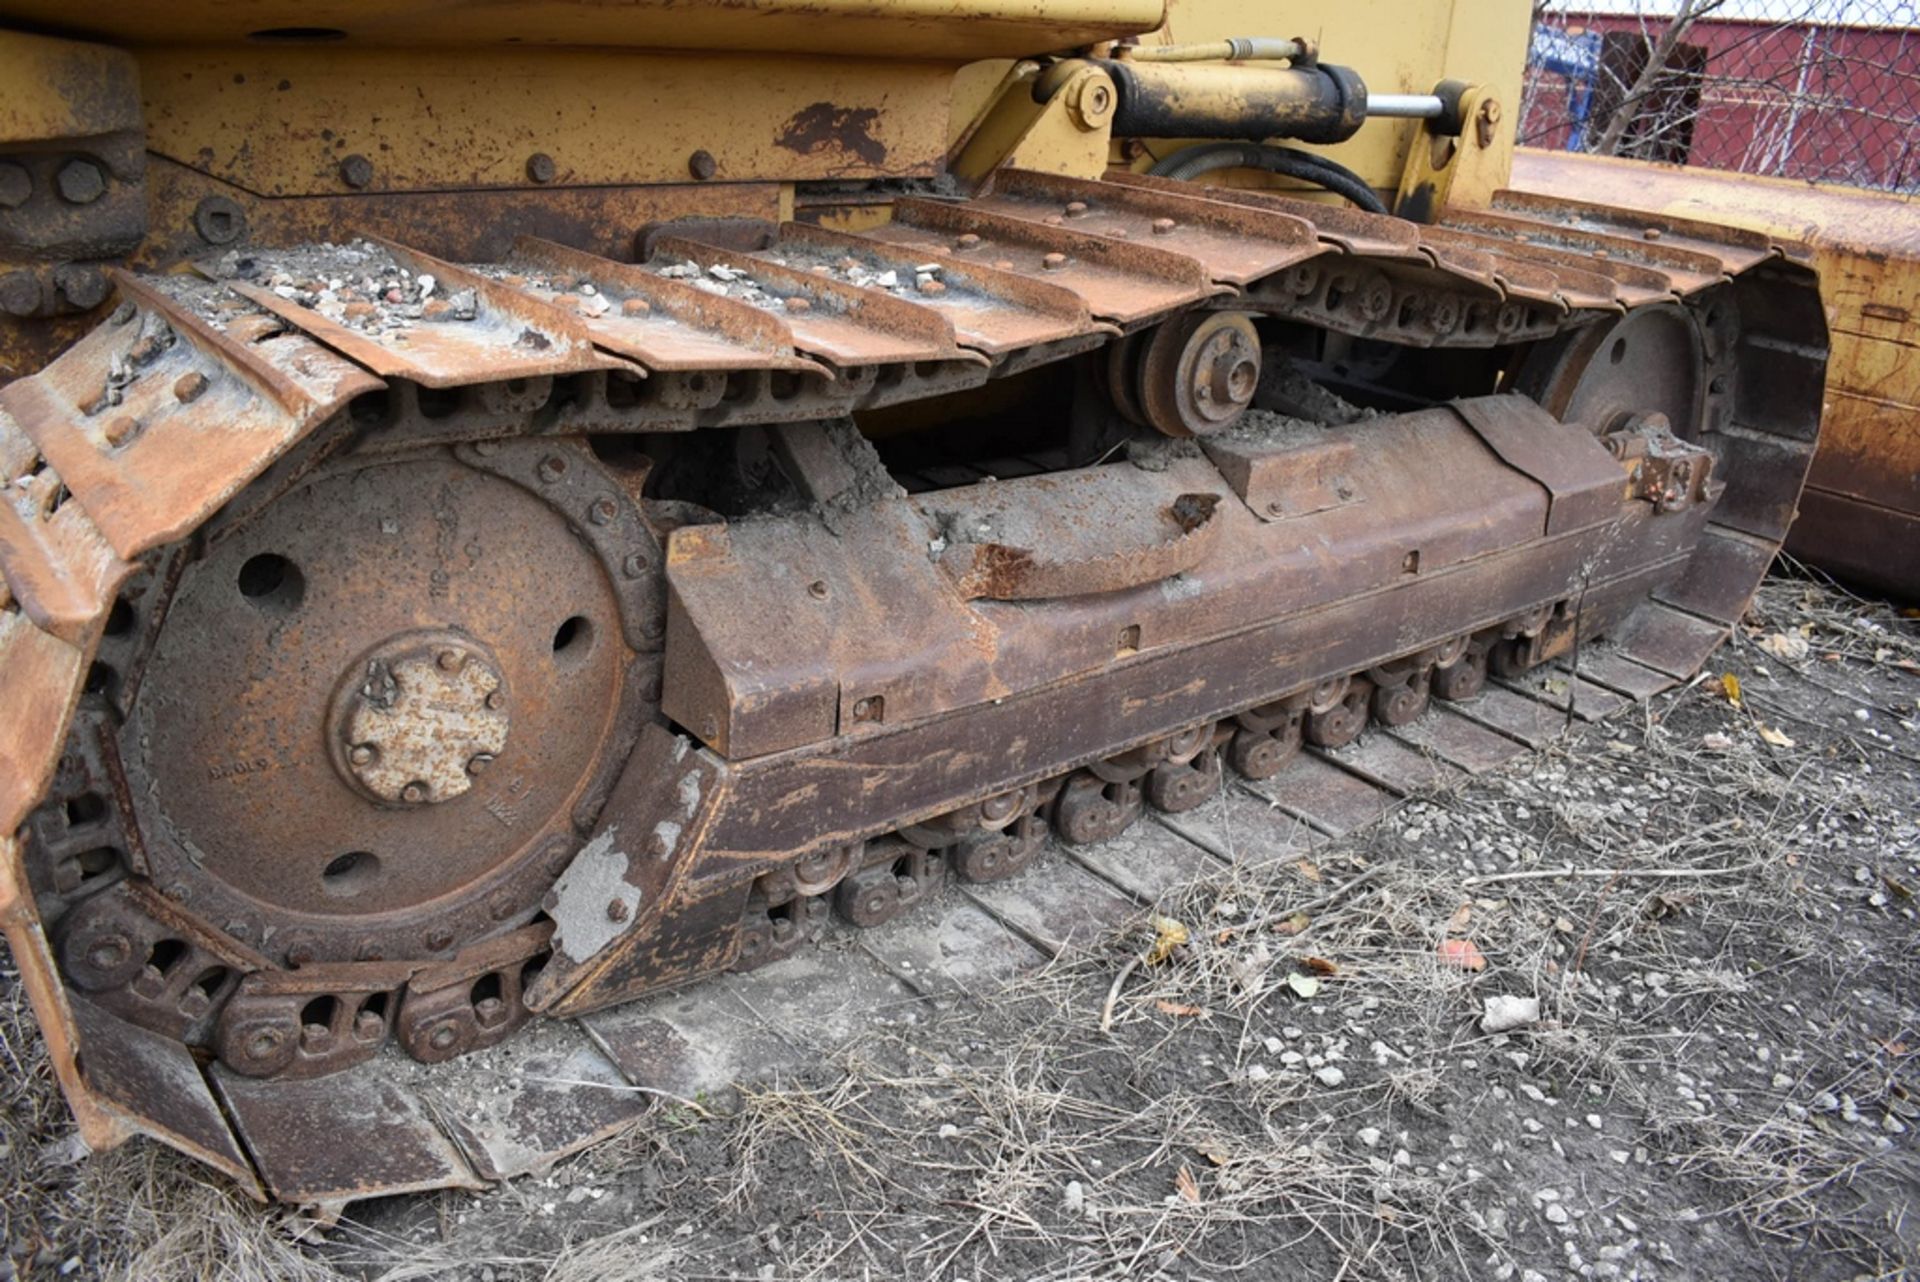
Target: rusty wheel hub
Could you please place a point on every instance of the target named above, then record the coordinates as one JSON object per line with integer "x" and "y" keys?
{"x": 1198, "y": 373}
{"x": 372, "y": 711}
{"x": 418, "y": 717}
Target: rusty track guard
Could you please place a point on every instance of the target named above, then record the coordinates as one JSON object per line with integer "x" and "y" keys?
{"x": 140, "y": 433}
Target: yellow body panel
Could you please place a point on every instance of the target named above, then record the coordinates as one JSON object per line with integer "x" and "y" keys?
{"x": 943, "y": 30}
{"x": 279, "y": 122}
{"x": 64, "y": 89}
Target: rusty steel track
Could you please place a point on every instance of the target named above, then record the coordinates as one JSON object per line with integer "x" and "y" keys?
{"x": 274, "y": 424}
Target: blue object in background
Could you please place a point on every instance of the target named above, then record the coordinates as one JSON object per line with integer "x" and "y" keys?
{"x": 1578, "y": 59}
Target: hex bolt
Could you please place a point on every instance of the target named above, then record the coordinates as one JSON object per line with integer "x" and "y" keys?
{"x": 1076, "y": 208}
{"x": 362, "y": 754}
{"x": 109, "y": 951}
{"x": 442, "y": 1037}
{"x": 496, "y": 700}
{"x": 438, "y": 941}
{"x": 356, "y": 171}
{"x": 264, "y": 1043}
{"x": 1164, "y": 226}
{"x": 603, "y": 511}
{"x": 450, "y": 660}
{"x": 818, "y": 589}
{"x": 414, "y": 793}
{"x": 552, "y": 468}
{"x": 635, "y": 565}
{"x": 967, "y": 240}
{"x": 1651, "y": 233}
{"x": 16, "y": 185}
{"x": 1054, "y": 261}
{"x": 84, "y": 288}
{"x": 20, "y": 293}
{"x": 617, "y": 910}
{"x": 540, "y": 167}
{"x": 368, "y": 1025}
{"x": 478, "y": 762}
{"x": 702, "y": 165}
{"x": 219, "y": 220}
{"x": 80, "y": 182}
{"x": 120, "y": 429}
{"x": 189, "y": 386}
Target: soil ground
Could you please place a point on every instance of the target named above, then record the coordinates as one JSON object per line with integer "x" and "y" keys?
{"x": 1712, "y": 903}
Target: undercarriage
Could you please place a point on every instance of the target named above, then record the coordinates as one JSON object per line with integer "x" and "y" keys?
{"x": 398, "y": 650}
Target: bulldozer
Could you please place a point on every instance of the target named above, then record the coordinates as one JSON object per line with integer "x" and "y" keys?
{"x": 510, "y": 508}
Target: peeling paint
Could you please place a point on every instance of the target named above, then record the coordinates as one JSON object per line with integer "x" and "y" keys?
{"x": 595, "y": 880}
{"x": 667, "y": 835}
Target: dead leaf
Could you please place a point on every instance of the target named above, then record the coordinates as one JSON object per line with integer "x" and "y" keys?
{"x": 1899, "y": 888}
{"x": 1563, "y": 924}
{"x": 1319, "y": 965}
{"x": 1309, "y": 870}
{"x": 1907, "y": 665}
{"x": 1214, "y": 1151}
{"x": 1166, "y": 1007}
{"x": 1224, "y": 936}
{"x": 1714, "y": 741}
{"x": 1168, "y": 935}
{"x": 1461, "y": 919}
{"x": 1788, "y": 649}
{"x": 1305, "y": 987}
{"x": 1772, "y": 736}
{"x": 1462, "y": 953}
{"x": 1188, "y": 1186}
{"x": 1293, "y": 925}
{"x": 1730, "y": 686}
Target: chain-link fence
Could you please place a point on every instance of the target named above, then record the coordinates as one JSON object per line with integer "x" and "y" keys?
{"x": 1827, "y": 90}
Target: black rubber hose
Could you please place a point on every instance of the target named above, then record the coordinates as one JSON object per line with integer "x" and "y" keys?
{"x": 1190, "y": 162}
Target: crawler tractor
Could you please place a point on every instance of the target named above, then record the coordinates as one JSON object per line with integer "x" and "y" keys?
{"x": 510, "y": 508}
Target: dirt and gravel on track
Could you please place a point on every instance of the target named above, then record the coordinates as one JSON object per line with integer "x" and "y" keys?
{"x": 1644, "y": 1005}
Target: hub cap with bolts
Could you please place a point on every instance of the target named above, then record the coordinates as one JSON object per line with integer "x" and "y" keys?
{"x": 1198, "y": 374}
{"x": 418, "y": 717}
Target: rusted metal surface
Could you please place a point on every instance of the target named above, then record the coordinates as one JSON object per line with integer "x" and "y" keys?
{"x": 991, "y": 310}
{"x": 482, "y": 330}
{"x": 415, "y": 784}
{"x": 846, "y": 324}
{"x": 422, "y": 671}
{"x": 1237, "y": 243}
{"x": 159, "y": 416}
{"x": 664, "y": 324}
{"x": 1122, "y": 280}
{"x": 1044, "y": 536}
{"x": 1860, "y": 512}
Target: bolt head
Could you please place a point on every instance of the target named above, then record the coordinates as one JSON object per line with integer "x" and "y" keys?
{"x": 414, "y": 793}
{"x": 617, "y": 910}
{"x": 189, "y": 386}
{"x": 818, "y": 589}
{"x": 1164, "y": 226}
{"x": 450, "y": 660}
{"x": 702, "y": 165}
{"x": 635, "y": 565}
{"x": 479, "y": 762}
{"x": 438, "y": 941}
{"x": 442, "y": 1037}
{"x": 540, "y": 167}
{"x": 1054, "y": 261}
{"x": 603, "y": 511}
{"x": 20, "y": 293}
{"x": 356, "y": 171}
{"x": 16, "y": 185}
{"x": 80, "y": 182}
{"x": 552, "y": 468}
{"x": 362, "y": 754}
{"x": 496, "y": 699}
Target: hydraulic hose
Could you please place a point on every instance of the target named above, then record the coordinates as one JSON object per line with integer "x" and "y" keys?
{"x": 1191, "y": 162}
